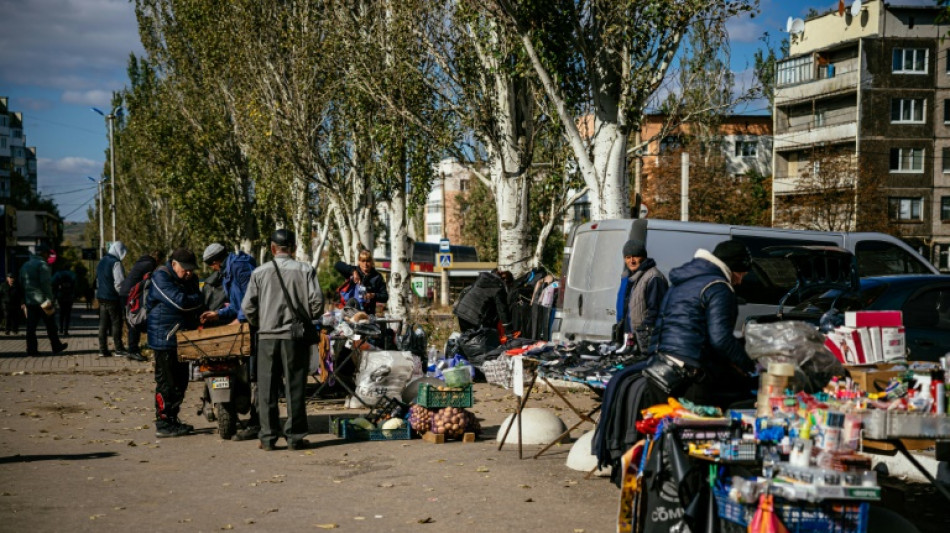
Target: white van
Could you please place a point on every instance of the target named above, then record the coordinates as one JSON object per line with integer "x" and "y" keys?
{"x": 593, "y": 264}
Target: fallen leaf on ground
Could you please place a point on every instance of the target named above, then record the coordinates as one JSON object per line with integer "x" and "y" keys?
{"x": 327, "y": 526}
{"x": 482, "y": 469}
{"x": 227, "y": 526}
{"x": 426, "y": 520}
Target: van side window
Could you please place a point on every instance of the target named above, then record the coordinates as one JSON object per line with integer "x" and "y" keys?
{"x": 879, "y": 258}
{"x": 771, "y": 277}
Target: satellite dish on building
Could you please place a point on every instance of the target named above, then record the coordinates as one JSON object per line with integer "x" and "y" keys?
{"x": 798, "y": 27}
{"x": 788, "y": 25}
{"x": 856, "y": 8}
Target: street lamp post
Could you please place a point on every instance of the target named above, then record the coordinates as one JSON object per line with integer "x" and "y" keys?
{"x": 110, "y": 118}
{"x": 102, "y": 229}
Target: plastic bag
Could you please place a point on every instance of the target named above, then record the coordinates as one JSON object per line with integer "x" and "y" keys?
{"x": 798, "y": 343}
{"x": 383, "y": 373}
{"x": 476, "y": 343}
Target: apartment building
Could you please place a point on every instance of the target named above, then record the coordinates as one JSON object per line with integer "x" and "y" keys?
{"x": 872, "y": 88}
{"x": 441, "y": 210}
{"x": 15, "y": 156}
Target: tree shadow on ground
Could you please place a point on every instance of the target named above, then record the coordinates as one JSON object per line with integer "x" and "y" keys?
{"x": 55, "y": 457}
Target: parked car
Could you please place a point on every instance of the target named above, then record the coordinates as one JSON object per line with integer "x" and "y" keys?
{"x": 592, "y": 265}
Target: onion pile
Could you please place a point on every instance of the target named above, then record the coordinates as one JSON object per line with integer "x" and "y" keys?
{"x": 453, "y": 422}
{"x": 420, "y": 419}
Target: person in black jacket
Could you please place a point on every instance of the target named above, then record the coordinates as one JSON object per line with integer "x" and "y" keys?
{"x": 485, "y": 303}
{"x": 144, "y": 265}
{"x": 370, "y": 283}
{"x": 11, "y": 298}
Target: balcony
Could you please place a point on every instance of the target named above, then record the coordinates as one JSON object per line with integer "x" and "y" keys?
{"x": 804, "y": 137}
{"x": 818, "y": 87}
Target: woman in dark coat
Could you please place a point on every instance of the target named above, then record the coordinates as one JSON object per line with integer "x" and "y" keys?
{"x": 370, "y": 285}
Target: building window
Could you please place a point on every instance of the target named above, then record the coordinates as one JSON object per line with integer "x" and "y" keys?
{"x": 746, "y": 148}
{"x": 463, "y": 185}
{"x": 3, "y": 141}
{"x": 4, "y": 123}
{"x": 434, "y": 208}
{"x": 905, "y": 208}
{"x": 946, "y": 109}
{"x": 671, "y": 143}
{"x": 16, "y": 134}
{"x": 946, "y": 160}
{"x": 433, "y": 229}
{"x": 795, "y": 71}
{"x": 819, "y": 118}
{"x": 907, "y": 110}
{"x": 907, "y": 160}
{"x": 945, "y": 208}
{"x": 910, "y": 61}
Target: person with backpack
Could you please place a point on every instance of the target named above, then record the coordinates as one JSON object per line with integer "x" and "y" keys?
{"x": 109, "y": 277}
{"x": 173, "y": 304}
{"x": 364, "y": 284}
{"x": 64, "y": 289}
{"x": 141, "y": 270}
{"x": 234, "y": 270}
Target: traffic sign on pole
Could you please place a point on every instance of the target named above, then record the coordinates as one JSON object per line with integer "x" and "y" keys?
{"x": 444, "y": 260}
{"x": 444, "y": 245}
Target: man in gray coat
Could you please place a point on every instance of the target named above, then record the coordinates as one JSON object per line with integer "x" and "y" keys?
{"x": 642, "y": 288}
{"x": 267, "y": 308}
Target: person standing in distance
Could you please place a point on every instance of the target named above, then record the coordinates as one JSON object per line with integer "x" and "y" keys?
{"x": 367, "y": 280}
{"x": 173, "y": 304}
{"x": 267, "y": 308}
{"x": 64, "y": 288}
{"x": 109, "y": 276}
{"x": 11, "y": 299}
{"x": 35, "y": 278}
{"x": 235, "y": 269}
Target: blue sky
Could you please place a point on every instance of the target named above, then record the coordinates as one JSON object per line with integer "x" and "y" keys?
{"x": 60, "y": 57}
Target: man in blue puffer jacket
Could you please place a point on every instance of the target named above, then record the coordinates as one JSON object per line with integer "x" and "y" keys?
{"x": 173, "y": 303}
{"x": 696, "y": 324}
{"x": 109, "y": 277}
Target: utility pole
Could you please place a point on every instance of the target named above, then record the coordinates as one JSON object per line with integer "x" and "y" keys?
{"x": 444, "y": 289}
{"x": 684, "y": 187}
{"x": 111, "y": 119}
{"x": 102, "y": 229}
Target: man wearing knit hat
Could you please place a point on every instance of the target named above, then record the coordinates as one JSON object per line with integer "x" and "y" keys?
{"x": 642, "y": 288}
{"x": 696, "y": 325}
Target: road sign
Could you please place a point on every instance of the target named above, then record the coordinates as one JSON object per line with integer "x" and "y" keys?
{"x": 444, "y": 260}
{"x": 444, "y": 245}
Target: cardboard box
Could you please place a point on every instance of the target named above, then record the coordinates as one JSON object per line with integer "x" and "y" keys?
{"x": 867, "y": 376}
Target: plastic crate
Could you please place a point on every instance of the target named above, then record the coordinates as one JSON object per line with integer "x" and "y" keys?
{"x": 387, "y": 408}
{"x": 432, "y": 398}
{"x": 801, "y": 517}
{"x": 342, "y": 428}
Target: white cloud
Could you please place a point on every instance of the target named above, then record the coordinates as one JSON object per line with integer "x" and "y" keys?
{"x": 33, "y": 104}
{"x": 74, "y": 166}
{"x": 94, "y": 97}
{"x": 69, "y": 45}
{"x": 64, "y": 181}
{"x": 742, "y": 30}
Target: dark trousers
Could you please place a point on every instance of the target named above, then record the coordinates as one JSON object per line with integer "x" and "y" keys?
{"x": 171, "y": 381}
{"x": 34, "y": 314}
{"x": 110, "y": 313}
{"x": 65, "y": 314}
{"x": 11, "y": 319}
{"x": 274, "y": 355}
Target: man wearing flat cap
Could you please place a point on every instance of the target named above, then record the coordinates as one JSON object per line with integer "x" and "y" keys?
{"x": 272, "y": 310}
{"x": 173, "y": 303}
{"x": 696, "y": 325}
{"x": 235, "y": 269}
{"x": 642, "y": 288}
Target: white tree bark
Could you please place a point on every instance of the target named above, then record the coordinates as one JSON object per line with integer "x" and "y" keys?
{"x": 300, "y": 197}
{"x": 400, "y": 249}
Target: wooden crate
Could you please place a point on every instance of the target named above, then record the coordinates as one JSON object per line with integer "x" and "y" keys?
{"x": 220, "y": 341}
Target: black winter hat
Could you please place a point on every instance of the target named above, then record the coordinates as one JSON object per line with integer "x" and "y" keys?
{"x": 283, "y": 237}
{"x": 634, "y": 248}
{"x": 186, "y": 258}
{"x": 734, "y": 254}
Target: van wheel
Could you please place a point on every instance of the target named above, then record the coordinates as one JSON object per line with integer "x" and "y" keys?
{"x": 227, "y": 420}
